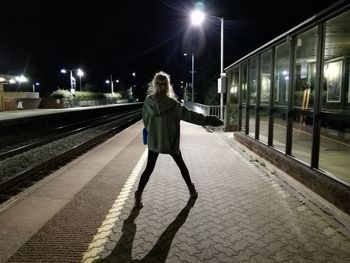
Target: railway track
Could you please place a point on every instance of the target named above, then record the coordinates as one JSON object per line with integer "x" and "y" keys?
{"x": 105, "y": 128}
{"x": 16, "y": 145}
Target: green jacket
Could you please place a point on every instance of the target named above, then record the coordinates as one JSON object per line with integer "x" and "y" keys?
{"x": 161, "y": 116}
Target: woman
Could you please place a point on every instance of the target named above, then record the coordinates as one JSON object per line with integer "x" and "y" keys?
{"x": 161, "y": 115}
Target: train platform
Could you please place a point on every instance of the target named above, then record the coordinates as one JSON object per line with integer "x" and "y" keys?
{"x": 247, "y": 210}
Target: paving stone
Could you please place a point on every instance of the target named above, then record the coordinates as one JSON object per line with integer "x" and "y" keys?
{"x": 241, "y": 214}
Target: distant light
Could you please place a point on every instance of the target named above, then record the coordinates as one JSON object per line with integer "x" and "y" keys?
{"x": 133, "y": 74}
{"x": 117, "y": 81}
{"x": 197, "y": 17}
{"x": 37, "y": 83}
{"x": 12, "y": 81}
{"x": 107, "y": 81}
{"x": 80, "y": 72}
{"x": 234, "y": 89}
{"x": 285, "y": 72}
{"x": 2, "y": 79}
{"x": 21, "y": 79}
{"x": 185, "y": 54}
{"x": 63, "y": 71}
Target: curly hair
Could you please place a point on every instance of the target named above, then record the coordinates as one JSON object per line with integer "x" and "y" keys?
{"x": 161, "y": 86}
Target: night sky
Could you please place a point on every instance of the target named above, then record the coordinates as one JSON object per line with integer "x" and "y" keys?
{"x": 38, "y": 38}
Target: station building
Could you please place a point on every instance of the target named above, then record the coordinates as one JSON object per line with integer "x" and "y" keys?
{"x": 293, "y": 101}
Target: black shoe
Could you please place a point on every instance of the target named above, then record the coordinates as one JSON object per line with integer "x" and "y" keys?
{"x": 138, "y": 199}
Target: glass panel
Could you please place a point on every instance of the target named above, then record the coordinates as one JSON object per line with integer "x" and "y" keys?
{"x": 335, "y": 128}
{"x": 232, "y": 100}
{"x": 280, "y": 101}
{"x": 253, "y": 80}
{"x": 252, "y": 121}
{"x": 244, "y": 117}
{"x": 264, "y": 125}
{"x": 282, "y": 57}
{"x": 265, "y": 85}
{"x": 304, "y": 90}
{"x": 244, "y": 81}
{"x": 302, "y": 138}
{"x": 305, "y": 69}
{"x": 280, "y": 128}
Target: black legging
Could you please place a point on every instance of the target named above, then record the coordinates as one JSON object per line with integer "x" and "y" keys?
{"x": 151, "y": 162}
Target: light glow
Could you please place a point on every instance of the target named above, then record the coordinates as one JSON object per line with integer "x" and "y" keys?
{"x": 21, "y": 79}
{"x": 80, "y": 72}
{"x": 197, "y": 17}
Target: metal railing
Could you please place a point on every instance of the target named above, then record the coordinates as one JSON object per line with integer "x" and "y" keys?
{"x": 205, "y": 109}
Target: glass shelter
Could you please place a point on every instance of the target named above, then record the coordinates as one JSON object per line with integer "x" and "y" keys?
{"x": 293, "y": 93}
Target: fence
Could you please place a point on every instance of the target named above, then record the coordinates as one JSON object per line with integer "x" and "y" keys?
{"x": 205, "y": 109}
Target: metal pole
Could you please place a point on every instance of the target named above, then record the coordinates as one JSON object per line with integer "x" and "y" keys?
{"x": 222, "y": 69}
{"x": 112, "y": 85}
{"x": 192, "y": 77}
{"x": 71, "y": 79}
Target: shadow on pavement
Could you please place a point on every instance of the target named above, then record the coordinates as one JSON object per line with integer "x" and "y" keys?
{"x": 159, "y": 252}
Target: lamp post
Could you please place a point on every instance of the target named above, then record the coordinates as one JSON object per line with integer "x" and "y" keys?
{"x": 192, "y": 74}
{"x": 110, "y": 81}
{"x": 72, "y": 79}
{"x": 197, "y": 17}
{"x": 222, "y": 74}
{"x": 35, "y": 84}
{"x": 133, "y": 85}
{"x": 80, "y": 73}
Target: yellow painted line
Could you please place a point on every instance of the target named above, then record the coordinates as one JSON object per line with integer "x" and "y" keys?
{"x": 108, "y": 227}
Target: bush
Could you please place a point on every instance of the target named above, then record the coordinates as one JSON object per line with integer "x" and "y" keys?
{"x": 61, "y": 93}
{"x": 88, "y": 95}
{"x": 115, "y": 95}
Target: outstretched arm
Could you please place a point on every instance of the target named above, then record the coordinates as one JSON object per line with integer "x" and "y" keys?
{"x": 199, "y": 119}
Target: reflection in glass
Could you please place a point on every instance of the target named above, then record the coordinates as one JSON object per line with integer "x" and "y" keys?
{"x": 253, "y": 82}
{"x": 335, "y": 121}
{"x": 244, "y": 117}
{"x": 305, "y": 69}
{"x": 282, "y": 55}
{"x": 265, "y": 85}
{"x": 304, "y": 90}
{"x": 244, "y": 83}
{"x": 232, "y": 100}
{"x": 243, "y": 94}
{"x": 280, "y": 128}
{"x": 302, "y": 139}
{"x": 252, "y": 121}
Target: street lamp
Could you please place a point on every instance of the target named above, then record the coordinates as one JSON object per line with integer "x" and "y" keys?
{"x": 72, "y": 79}
{"x": 80, "y": 73}
{"x": 133, "y": 85}
{"x": 111, "y": 82}
{"x": 192, "y": 74}
{"x": 197, "y": 17}
{"x": 35, "y": 84}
